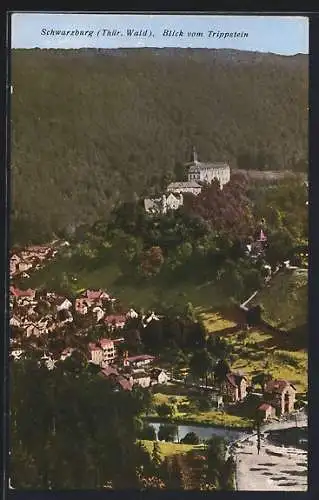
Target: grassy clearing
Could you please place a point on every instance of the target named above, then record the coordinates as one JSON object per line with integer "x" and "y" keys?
{"x": 254, "y": 350}
{"x": 109, "y": 277}
{"x": 169, "y": 449}
{"x": 285, "y": 300}
{"x": 261, "y": 351}
{"x": 193, "y": 417}
{"x": 215, "y": 321}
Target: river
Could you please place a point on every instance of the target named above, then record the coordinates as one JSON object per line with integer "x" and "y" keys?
{"x": 204, "y": 432}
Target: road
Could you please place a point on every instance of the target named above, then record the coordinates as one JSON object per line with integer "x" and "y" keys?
{"x": 276, "y": 468}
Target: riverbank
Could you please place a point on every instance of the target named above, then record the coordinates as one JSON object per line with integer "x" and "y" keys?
{"x": 199, "y": 421}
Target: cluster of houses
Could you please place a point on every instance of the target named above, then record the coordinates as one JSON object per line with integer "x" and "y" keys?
{"x": 276, "y": 398}
{"x": 32, "y": 258}
{"x": 199, "y": 173}
{"x": 39, "y": 313}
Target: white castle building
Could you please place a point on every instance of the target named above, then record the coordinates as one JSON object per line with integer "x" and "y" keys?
{"x": 163, "y": 204}
{"x": 206, "y": 172}
{"x": 184, "y": 187}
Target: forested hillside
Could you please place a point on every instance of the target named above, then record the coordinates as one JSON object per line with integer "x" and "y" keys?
{"x": 92, "y": 127}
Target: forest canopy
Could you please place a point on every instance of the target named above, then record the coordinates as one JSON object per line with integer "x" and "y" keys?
{"x": 92, "y": 127}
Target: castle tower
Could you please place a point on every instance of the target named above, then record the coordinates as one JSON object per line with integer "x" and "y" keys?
{"x": 194, "y": 155}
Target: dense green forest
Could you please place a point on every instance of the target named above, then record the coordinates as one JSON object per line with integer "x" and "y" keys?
{"x": 92, "y": 127}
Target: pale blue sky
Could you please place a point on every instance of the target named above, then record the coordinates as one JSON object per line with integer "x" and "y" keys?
{"x": 278, "y": 34}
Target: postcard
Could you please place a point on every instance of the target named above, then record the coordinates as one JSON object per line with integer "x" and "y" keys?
{"x": 159, "y": 252}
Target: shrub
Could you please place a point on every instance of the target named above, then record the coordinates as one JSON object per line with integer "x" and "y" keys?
{"x": 167, "y": 432}
{"x": 147, "y": 432}
{"x": 190, "y": 438}
{"x": 165, "y": 410}
{"x": 204, "y": 405}
{"x": 183, "y": 407}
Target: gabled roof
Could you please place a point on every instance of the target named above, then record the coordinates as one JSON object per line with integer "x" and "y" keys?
{"x": 142, "y": 357}
{"x": 277, "y": 386}
{"x": 106, "y": 343}
{"x": 264, "y": 407}
{"x": 235, "y": 378}
{"x": 115, "y": 319}
{"x": 127, "y": 385}
{"x": 93, "y": 347}
{"x": 181, "y": 185}
{"x": 61, "y": 300}
{"x": 95, "y": 294}
{"x": 109, "y": 370}
{"x": 21, "y": 293}
{"x": 210, "y": 165}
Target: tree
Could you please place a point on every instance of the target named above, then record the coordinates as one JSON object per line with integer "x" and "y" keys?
{"x": 201, "y": 364}
{"x": 167, "y": 432}
{"x": 174, "y": 473}
{"x": 190, "y": 438}
{"x": 151, "y": 261}
{"x": 156, "y": 454}
{"x": 165, "y": 410}
{"x": 221, "y": 369}
{"x": 147, "y": 432}
{"x": 69, "y": 429}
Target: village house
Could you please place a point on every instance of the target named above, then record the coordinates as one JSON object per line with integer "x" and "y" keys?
{"x": 132, "y": 314}
{"x": 49, "y": 362}
{"x": 16, "y": 293}
{"x": 25, "y": 275}
{"x": 146, "y": 319}
{"x": 16, "y": 353}
{"x": 216, "y": 399}
{"x": 67, "y": 353}
{"x": 14, "y": 321}
{"x": 207, "y": 172}
{"x": 120, "y": 381}
{"x": 124, "y": 383}
{"x": 98, "y": 312}
{"x": 234, "y": 387}
{"x": 64, "y": 316}
{"x": 91, "y": 298}
{"x": 266, "y": 411}
{"x": 137, "y": 361}
{"x": 159, "y": 376}
{"x": 14, "y": 262}
{"x": 164, "y": 203}
{"x": 63, "y": 304}
{"x": 281, "y": 394}
{"x": 102, "y": 352}
{"x": 184, "y": 187}
{"x": 81, "y": 306}
{"x": 114, "y": 321}
{"x": 24, "y": 266}
{"x": 141, "y": 378}
{"x": 96, "y": 297}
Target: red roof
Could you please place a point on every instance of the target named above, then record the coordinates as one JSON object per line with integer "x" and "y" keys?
{"x": 234, "y": 378}
{"x": 106, "y": 343}
{"x": 262, "y": 236}
{"x": 277, "y": 386}
{"x": 125, "y": 384}
{"x": 264, "y": 407}
{"x": 114, "y": 319}
{"x": 95, "y": 294}
{"x": 37, "y": 248}
{"x": 108, "y": 370}
{"x": 142, "y": 357}
{"x": 22, "y": 293}
{"x": 93, "y": 347}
